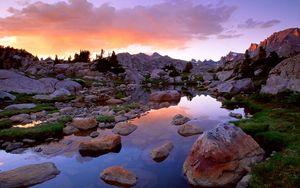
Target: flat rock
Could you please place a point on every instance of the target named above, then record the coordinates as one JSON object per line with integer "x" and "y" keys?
{"x": 100, "y": 145}
{"x": 20, "y": 118}
{"x": 20, "y": 106}
{"x": 162, "y": 152}
{"x": 221, "y": 157}
{"x": 114, "y": 101}
{"x": 84, "y": 123}
{"x": 189, "y": 130}
{"x": 179, "y": 119}
{"x": 118, "y": 176}
{"x": 28, "y": 175}
{"x": 169, "y": 95}
{"x": 124, "y": 128}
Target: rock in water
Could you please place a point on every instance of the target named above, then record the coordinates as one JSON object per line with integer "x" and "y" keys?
{"x": 236, "y": 115}
{"x": 118, "y": 176}
{"x": 180, "y": 119}
{"x": 28, "y": 175}
{"x": 85, "y": 123}
{"x": 189, "y": 130}
{"x": 124, "y": 128}
{"x": 100, "y": 146}
{"x": 221, "y": 157}
{"x": 161, "y": 153}
{"x": 161, "y": 96}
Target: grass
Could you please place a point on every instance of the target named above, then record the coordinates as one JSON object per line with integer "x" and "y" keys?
{"x": 40, "y": 132}
{"x": 126, "y": 107}
{"x": 5, "y": 124}
{"x": 105, "y": 119}
{"x": 276, "y": 127}
{"x": 40, "y": 107}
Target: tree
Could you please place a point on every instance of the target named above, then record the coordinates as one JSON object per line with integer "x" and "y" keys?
{"x": 174, "y": 73}
{"x": 262, "y": 54}
{"x": 188, "y": 67}
{"x": 83, "y": 56}
{"x": 56, "y": 61}
{"x": 245, "y": 68}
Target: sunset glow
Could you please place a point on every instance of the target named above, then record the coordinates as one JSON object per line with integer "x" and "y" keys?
{"x": 182, "y": 29}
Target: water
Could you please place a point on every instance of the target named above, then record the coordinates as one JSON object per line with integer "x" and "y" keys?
{"x": 154, "y": 129}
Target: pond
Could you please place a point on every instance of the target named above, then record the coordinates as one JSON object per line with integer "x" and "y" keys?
{"x": 154, "y": 129}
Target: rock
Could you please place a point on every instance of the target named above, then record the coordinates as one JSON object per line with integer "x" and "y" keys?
{"x": 100, "y": 145}
{"x": 21, "y": 118}
{"x": 28, "y": 141}
{"x": 60, "y": 77}
{"x": 68, "y": 130}
{"x": 20, "y": 106}
{"x": 124, "y": 128}
{"x": 189, "y": 130}
{"x": 120, "y": 118}
{"x": 85, "y": 123}
{"x": 284, "y": 76}
{"x": 236, "y": 115}
{"x": 94, "y": 134}
{"x": 235, "y": 86}
{"x": 114, "y": 101}
{"x": 161, "y": 153}
{"x": 91, "y": 98}
{"x": 106, "y": 125}
{"x": 61, "y": 92}
{"x": 180, "y": 119}
{"x": 28, "y": 175}
{"x": 7, "y": 96}
{"x": 225, "y": 75}
{"x": 13, "y": 146}
{"x": 169, "y": 95}
{"x": 244, "y": 182}
{"x": 221, "y": 157}
{"x": 118, "y": 176}
{"x": 69, "y": 85}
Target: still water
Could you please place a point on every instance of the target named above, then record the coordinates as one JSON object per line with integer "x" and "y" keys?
{"x": 154, "y": 129}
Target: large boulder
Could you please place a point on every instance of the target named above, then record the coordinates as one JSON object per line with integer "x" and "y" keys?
{"x": 29, "y": 175}
{"x": 118, "y": 176}
{"x": 221, "y": 157}
{"x": 169, "y": 95}
{"x": 100, "y": 145}
{"x": 225, "y": 75}
{"x": 84, "y": 123}
{"x": 284, "y": 76}
{"x": 235, "y": 86}
{"x": 70, "y": 85}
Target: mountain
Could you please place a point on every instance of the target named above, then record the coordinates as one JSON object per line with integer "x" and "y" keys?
{"x": 286, "y": 43}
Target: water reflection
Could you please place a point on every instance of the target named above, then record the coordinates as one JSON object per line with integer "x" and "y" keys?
{"x": 154, "y": 129}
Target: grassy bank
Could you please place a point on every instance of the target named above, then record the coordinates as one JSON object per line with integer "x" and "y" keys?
{"x": 276, "y": 127}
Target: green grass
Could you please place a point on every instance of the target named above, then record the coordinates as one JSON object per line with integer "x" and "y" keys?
{"x": 5, "y": 124}
{"x": 40, "y": 132}
{"x": 276, "y": 127}
{"x": 126, "y": 107}
{"x": 40, "y": 107}
{"x": 105, "y": 119}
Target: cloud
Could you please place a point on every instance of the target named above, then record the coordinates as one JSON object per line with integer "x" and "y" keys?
{"x": 251, "y": 24}
{"x": 229, "y": 36}
{"x": 78, "y": 24}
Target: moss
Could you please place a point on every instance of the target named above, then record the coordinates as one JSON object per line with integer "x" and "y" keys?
{"x": 65, "y": 119}
{"x": 126, "y": 107}
{"x": 105, "y": 119}
{"x": 5, "y": 124}
{"x": 120, "y": 95}
{"x": 40, "y": 132}
{"x": 40, "y": 107}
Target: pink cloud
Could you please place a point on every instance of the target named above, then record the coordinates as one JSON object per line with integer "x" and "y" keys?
{"x": 79, "y": 24}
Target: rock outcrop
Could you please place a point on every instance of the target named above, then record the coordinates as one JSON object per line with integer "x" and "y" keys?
{"x": 221, "y": 157}
{"x": 284, "y": 76}
{"x": 29, "y": 175}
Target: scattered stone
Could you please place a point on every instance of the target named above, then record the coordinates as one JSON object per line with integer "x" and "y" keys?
{"x": 120, "y": 118}
{"x": 20, "y": 106}
{"x": 169, "y": 95}
{"x": 28, "y": 175}
{"x": 161, "y": 153}
{"x": 189, "y": 130}
{"x": 68, "y": 130}
{"x": 100, "y": 145}
{"x": 18, "y": 151}
{"x": 106, "y": 125}
{"x": 21, "y": 118}
{"x": 244, "y": 182}
{"x": 7, "y": 96}
{"x": 180, "y": 119}
{"x": 85, "y": 123}
{"x": 118, "y": 176}
{"x": 94, "y": 134}
{"x": 124, "y": 128}
{"x": 221, "y": 156}
{"x": 235, "y": 115}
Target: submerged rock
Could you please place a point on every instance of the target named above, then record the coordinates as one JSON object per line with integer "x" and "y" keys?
{"x": 180, "y": 119}
{"x": 124, "y": 128}
{"x": 118, "y": 176}
{"x": 100, "y": 146}
{"x": 161, "y": 153}
{"x": 189, "y": 130}
{"x": 85, "y": 123}
{"x": 28, "y": 175}
{"x": 169, "y": 95}
{"x": 221, "y": 157}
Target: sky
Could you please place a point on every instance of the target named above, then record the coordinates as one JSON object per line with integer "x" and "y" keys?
{"x": 183, "y": 29}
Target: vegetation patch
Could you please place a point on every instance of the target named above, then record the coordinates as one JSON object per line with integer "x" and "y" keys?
{"x": 5, "y": 124}
{"x": 126, "y": 107}
{"x": 40, "y": 107}
{"x": 105, "y": 119}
